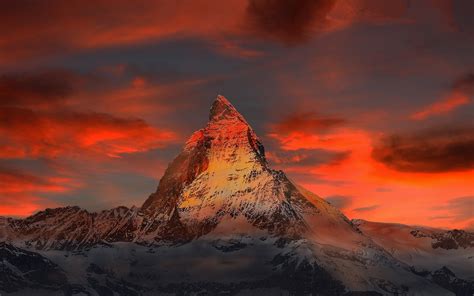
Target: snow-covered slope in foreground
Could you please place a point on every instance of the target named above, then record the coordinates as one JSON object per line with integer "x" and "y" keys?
{"x": 427, "y": 251}
{"x": 220, "y": 222}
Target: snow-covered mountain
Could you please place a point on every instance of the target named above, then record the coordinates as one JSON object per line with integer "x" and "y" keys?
{"x": 446, "y": 256}
{"x": 222, "y": 173}
{"x": 221, "y": 222}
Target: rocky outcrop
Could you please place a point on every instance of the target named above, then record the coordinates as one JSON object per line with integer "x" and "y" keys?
{"x": 21, "y": 268}
{"x": 451, "y": 239}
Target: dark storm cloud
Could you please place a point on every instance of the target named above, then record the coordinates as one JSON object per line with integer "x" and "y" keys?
{"x": 429, "y": 151}
{"x": 465, "y": 84}
{"x": 366, "y": 209}
{"x": 286, "y": 21}
{"x": 339, "y": 201}
{"x": 36, "y": 88}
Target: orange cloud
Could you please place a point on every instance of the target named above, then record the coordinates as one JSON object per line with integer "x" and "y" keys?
{"x": 446, "y": 105}
{"x": 74, "y": 133}
{"x": 20, "y": 192}
{"x": 40, "y": 116}
{"x": 461, "y": 93}
{"x": 139, "y": 97}
{"x": 365, "y": 188}
{"x": 340, "y": 140}
{"x": 106, "y": 23}
{"x": 307, "y": 122}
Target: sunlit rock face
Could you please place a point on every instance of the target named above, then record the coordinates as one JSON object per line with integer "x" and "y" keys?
{"x": 222, "y": 172}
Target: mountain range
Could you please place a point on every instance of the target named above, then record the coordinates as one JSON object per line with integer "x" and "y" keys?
{"x": 223, "y": 222}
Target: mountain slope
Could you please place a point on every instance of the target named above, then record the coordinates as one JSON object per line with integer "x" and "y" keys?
{"x": 423, "y": 248}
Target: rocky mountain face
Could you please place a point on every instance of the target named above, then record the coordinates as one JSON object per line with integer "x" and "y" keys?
{"x": 222, "y": 222}
{"x": 20, "y": 268}
{"x": 451, "y": 239}
{"x": 222, "y": 171}
{"x": 71, "y": 228}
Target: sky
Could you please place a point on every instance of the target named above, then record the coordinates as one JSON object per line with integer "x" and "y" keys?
{"x": 367, "y": 103}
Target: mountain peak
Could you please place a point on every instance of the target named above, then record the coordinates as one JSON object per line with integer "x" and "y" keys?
{"x": 222, "y": 172}
{"x": 222, "y": 109}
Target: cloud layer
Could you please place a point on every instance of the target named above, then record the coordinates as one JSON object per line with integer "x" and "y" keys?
{"x": 434, "y": 150}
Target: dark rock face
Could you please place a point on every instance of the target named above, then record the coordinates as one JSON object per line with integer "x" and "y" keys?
{"x": 105, "y": 283}
{"x": 451, "y": 239}
{"x": 445, "y": 278}
{"x": 20, "y": 268}
{"x": 305, "y": 278}
{"x": 293, "y": 278}
{"x": 231, "y": 245}
{"x": 448, "y": 280}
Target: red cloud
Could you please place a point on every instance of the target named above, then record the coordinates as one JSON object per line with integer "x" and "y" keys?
{"x": 40, "y": 116}
{"x": 25, "y": 33}
{"x": 446, "y": 105}
{"x": 19, "y": 191}
{"x": 307, "y": 122}
{"x": 28, "y": 133}
{"x": 460, "y": 94}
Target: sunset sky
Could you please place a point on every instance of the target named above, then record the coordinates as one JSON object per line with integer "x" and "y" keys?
{"x": 367, "y": 103}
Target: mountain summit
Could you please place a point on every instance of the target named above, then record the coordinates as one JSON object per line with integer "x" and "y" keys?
{"x": 222, "y": 174}
{"x": 222, "y": 108}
